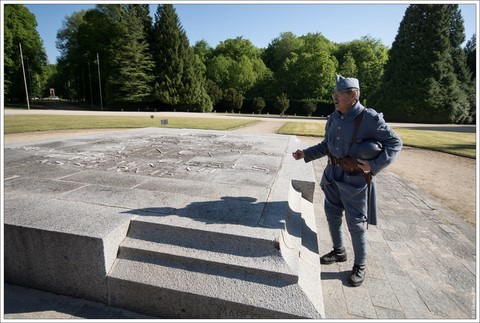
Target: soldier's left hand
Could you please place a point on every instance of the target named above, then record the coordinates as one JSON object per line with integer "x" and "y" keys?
{"x": 364, "y": 165}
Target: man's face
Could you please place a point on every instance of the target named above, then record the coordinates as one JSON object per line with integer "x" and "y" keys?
{"x": 343, "y": 100}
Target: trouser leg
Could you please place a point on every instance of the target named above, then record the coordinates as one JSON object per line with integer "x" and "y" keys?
{"x": 334, "y": 210}
{"x": 359, "y": 242}
{"x": 355, "y": 215}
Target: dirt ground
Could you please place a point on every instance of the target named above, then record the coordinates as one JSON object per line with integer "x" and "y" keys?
{"x": 449, "y": 179}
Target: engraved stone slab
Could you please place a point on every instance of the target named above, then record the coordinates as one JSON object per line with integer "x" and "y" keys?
{"x": 187, "y": 218}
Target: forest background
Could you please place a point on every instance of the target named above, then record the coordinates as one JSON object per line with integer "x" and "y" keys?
{"x": 148, "y": 64}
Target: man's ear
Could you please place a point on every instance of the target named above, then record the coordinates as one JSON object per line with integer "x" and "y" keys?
{"x": 353, "y": 95}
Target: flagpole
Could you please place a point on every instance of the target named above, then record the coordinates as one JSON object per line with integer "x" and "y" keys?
{"x": 24, "y": 78}
{"x": 99, "y": 82}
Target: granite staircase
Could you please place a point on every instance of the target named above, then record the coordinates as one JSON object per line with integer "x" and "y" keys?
{"x": 177, "y": 267}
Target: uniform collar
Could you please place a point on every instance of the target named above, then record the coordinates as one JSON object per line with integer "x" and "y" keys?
{"x": 354, "y": 111}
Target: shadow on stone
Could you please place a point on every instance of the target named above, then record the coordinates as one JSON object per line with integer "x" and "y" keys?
{"x": 336, "y": 275}
{"x": 228, "y": 209}
{"x": 237, "y": 210}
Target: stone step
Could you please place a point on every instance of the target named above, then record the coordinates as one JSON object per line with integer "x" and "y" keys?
{"x": 187, "y": 269}
{"x": 263, "y": 266}
{"x": 174, "y": 289}
{"x": 190, "y": 233}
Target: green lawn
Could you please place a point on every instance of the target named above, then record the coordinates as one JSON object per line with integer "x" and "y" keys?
{"x": 31, "y": 123}
{"x": 457, "y": 143}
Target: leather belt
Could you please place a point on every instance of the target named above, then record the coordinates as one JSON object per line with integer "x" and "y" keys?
{"x": 348, "y": 164}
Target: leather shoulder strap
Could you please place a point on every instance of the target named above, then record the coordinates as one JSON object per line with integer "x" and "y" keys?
{"x": 327, "y": 125}
{"x": 358, "y": 120}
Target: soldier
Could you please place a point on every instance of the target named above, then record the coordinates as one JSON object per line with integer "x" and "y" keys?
{"x": 359, "y": 144}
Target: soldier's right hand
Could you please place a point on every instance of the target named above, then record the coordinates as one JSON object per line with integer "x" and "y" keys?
{"x": 299, "y": 154}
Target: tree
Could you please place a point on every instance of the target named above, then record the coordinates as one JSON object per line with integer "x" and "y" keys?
{"x": 309, "y": 70}
{"x": 316, "y": 42}
{"x": 84, "y": 35}
{"x": 168, "y": 49}
{"x": 471, "y": 53}
{"x": 180, "y": 76}
{"x": 203, "y": 50}
{"x": 215, "y": 92}
{"x": 348, "y": 66}
{"x": 282, "y": 103}
{"x": 461, "y": 69}
{"x": 236, "y": 63}
{"x": 232, "y": 100}
{"x": 471, "y": 56}
{"x": 364, "y": 59}
{"x": 308, "y": 75}
{"x": 309, "y": 106}
{"x": 419, "y": 83}
{"x": 280, "y": 49}
{"x": 258, "y": 104}
{"x": 194, "y": 92}
{"x": 20, "y": 28}
{"x": 132, "y": 65}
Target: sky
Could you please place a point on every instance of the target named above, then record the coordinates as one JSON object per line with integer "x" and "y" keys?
{"x": 260, "y": 21}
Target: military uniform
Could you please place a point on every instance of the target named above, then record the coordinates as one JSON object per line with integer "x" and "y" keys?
{"x": 345, "y": 191}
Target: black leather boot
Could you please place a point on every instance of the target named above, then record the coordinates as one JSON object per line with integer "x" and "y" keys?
{"x": 336, "y": 255}
{"x": 358, "y": 275}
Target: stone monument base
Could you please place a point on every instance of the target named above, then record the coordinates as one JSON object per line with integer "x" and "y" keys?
{"x": 170, "y": 223}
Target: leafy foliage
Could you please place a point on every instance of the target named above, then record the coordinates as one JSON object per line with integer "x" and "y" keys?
{"x": 20, "y": 28}
{"x": 310, "y": 106}
{"x": 232, "y": 100}
{"x": 258, "y": 104}
{"x": 236, "y": 63}
{"x": 364, "y": 59}
{"x": 282, "y": 103}
{"x": 425, "y": 77}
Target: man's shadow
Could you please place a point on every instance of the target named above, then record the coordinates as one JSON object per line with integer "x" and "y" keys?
{"x": 336, "y": 275}
{"x": 241, "y": 210}
{"x": 226, "y": 210}
{"x": 236, "y": 210}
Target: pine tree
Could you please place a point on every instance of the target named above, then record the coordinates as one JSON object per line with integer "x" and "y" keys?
{"x": 194, "y": 95}
{"x": 420, "y": 84}
{"x": 180, "y": 75}
{"x": 471, "y": 53}
{"x": 167, "y": 35}
{"x": 462, "y": 71}
{"x": 132, "y": 65}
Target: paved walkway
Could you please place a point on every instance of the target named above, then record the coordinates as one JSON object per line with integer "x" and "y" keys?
{"x": 421, "y": 265}
{"x": 421, "y": 260}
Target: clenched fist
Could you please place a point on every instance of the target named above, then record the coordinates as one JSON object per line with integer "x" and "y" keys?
{"x": 299, "y": 154}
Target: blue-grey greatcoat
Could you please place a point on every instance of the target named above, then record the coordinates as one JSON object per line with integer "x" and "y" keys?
{"x": 337, "y": 141}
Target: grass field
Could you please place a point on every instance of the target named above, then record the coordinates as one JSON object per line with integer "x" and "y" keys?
{"x": 31, "y": 123}
{"x": 457, "y": 143}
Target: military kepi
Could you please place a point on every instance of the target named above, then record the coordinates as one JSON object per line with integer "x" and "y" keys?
{"x": 346, "y": 83}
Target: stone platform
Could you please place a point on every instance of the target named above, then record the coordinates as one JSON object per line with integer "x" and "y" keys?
{"x": 164, "y": 222}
